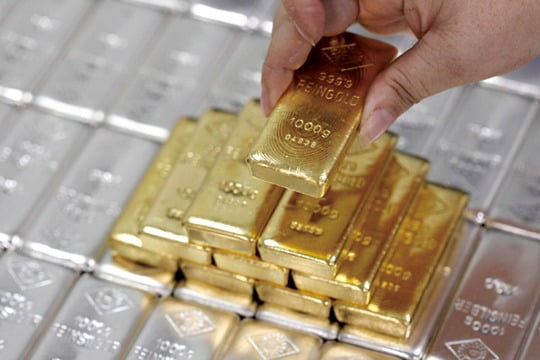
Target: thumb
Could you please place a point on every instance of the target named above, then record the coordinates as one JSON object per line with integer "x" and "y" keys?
{"x": 420, "y": 72}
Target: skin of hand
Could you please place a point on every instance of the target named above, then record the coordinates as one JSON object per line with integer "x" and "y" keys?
{"x": 459, "y": 41}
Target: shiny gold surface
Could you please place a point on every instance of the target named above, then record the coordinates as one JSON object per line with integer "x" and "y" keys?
{"x": 259, "y": 340}
{"x": 232, "y": 208}
{"x": 139, "y": 254}
{"x": 165, "y": 216}
{"x": 339, "y": 351}
{"x": 177, "y": 250}
{"x": 251, "y": 266}
{"x": 409, "y": 264}
{"x": 372, "y": 233}
{"x": 217, "y": 277}
{"x": 158, "y": 274}
{"x": 315, "y": 121}
{"x": 294, "y": 299}
{"x": 308, "y": 234}
{"x": 124, "y": 237}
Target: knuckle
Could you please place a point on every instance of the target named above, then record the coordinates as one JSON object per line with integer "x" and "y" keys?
{"x": 407, "y": 91}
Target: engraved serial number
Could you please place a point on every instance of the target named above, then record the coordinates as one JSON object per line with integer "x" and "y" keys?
{"x": 316, "y": 208}
{"x": 311, "y": 127}
{"x": 300, "y": 141}
{"x": 364, "y": 240}
{"x": 164, "y": 349}
{"x": 306, "y": 228}
{"x": 396, "y": 271}
{"x": 238, "y": 189}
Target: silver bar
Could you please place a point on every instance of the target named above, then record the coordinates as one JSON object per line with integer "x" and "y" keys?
{"x": 175, "y": 77}
{"x": 71, "y": 228}
{"x": 339, "y": 351}
{"x": 100, "y": 60}
{"x": 231, "y": 12}
{"x": 318, "y": 326}
{"x": 124, "y": 272}
{"x": 441, "y": 287}
{"x": 400, "y": 41}
{"x": 495, "y": 301}
{"x": 518, "y": 201}
{"x": 531, "y": 347}
{"x": 240, "y": 79}
{"x": 177, "y": 6}
{"x": 31, "y": 154}
{"x": 5, "y": 8}
{"x": 477, "y": 146}
{"x": 97, "y": 321}
{"x": 32, "y": 37}
{"x": 30, "y": 294}
{"x": 421, "y": 124}
{"x": 527, "y": 74}
{"x": 517, "y": 87}
{"x": 8, "y": 119}
{"x": 207, "y": 295}
{"x": 265, "y": 16}
{"x": 259, "y": 340}
{"x": 180, "y": 330}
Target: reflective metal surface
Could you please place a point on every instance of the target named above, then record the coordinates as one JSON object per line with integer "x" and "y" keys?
{"x": 318, "y": 114}
{"x": 127, "y": 69}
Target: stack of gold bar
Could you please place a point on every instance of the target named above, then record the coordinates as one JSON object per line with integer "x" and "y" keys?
{"x": 364, "y": 253}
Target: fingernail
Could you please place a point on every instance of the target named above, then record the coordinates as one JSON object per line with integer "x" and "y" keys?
{"x": 304, "y": 34}
{"x": 377, "y": 123}
{"x": 265, "y": 102}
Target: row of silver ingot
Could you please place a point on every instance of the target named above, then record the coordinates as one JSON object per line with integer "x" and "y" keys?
{"x": 59, "y": 63}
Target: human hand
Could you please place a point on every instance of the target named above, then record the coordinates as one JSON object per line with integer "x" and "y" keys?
{"x": 460, "y": 41}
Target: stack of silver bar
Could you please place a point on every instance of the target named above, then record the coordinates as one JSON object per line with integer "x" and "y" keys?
{"x": 89, "y": 90}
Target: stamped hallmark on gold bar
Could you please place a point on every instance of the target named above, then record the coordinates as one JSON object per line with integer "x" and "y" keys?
{"x": 372, "y": 233}
{"x": 124, "y": 237}
{"x": 164, "y": 219}
{"x": 401, "y": 281}
{"x": 313, "y": 124}
{"x": 232, "y": 208}
{"x": 308, "y": 234}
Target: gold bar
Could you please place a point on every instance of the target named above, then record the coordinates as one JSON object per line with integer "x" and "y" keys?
{"x": 294, "y": 299}
{"x": 178, "y": 250}
{"x": 217, "y": 277}
{"x": 124, "y": 238}
{"x": 252, "y": 267}
{"x": 162, "y": 228}
{"x": 308, "y": 234}
{"x": 232, "y": 208}
{"x": 260, "y": 340}
{"x": 135, "y": 251}
{"x": 372, "y": 234}
{"x": 314, "y": 123}
{"x": 409, "y": 264}
{"x": 333, "y": 351}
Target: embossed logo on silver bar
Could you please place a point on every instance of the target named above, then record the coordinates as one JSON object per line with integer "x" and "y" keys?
{"x": 108, "y": 300}
{"x": 471, "y": 349}
{"x": 28, "y": 274}
{"x": 190, "y": 322}
{"x": 273, "y": 345}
